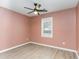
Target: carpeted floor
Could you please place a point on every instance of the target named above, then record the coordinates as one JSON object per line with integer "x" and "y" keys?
{"x": 32, "y": 51}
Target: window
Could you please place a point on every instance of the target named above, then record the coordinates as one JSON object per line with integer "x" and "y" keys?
{"x": 47, "y": 27}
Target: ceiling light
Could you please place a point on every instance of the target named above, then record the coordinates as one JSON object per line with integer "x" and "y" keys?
{"x": 35, "y": 12}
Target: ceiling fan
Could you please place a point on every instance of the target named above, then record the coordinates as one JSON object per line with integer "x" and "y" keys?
{"x": 36, "y": 9}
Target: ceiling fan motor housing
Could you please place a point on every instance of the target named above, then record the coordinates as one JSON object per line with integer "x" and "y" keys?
{"x": 37, "y": 5}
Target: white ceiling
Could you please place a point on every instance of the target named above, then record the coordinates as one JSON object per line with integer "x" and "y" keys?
{"x": 50, "y": 5}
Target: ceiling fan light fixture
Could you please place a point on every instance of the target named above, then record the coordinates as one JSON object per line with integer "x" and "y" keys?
{"x": 35, "y": 12}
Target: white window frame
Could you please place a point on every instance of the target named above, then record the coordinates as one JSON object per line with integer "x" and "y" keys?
{"x": 48, "y": 20}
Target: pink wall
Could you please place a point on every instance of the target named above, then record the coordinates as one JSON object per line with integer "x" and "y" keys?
{"x": 64, "y": 29}
{"x": 77, "y": 27}
{"x": 14, "y": 28}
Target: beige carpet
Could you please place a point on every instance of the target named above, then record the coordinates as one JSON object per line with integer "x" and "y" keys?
{"x": 32, "y": 51}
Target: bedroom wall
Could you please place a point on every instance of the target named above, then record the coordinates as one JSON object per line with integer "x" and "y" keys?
{"x": 14, "y": 28}
{"x": 77, "y": 12}
{"x": 64, "y": 29}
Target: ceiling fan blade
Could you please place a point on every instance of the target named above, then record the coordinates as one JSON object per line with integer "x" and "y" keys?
{"x": 31, "y": 12}
{"x": 42, "y": 10}
{"x": 29, "y": 8}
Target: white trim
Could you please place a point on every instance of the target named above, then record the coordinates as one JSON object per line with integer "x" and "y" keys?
{"x": 70, "y": 50}
{"x": 65, "y": 49}
{"x": 5, "y": 50}
{"x": 54, "y": 47}
{"x": 49, "y": 28}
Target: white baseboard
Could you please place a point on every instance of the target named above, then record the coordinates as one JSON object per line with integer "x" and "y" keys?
{"x": 5, "y": 50}
{"x": 65, "y": 49}
{"x": 54, "y": 47}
